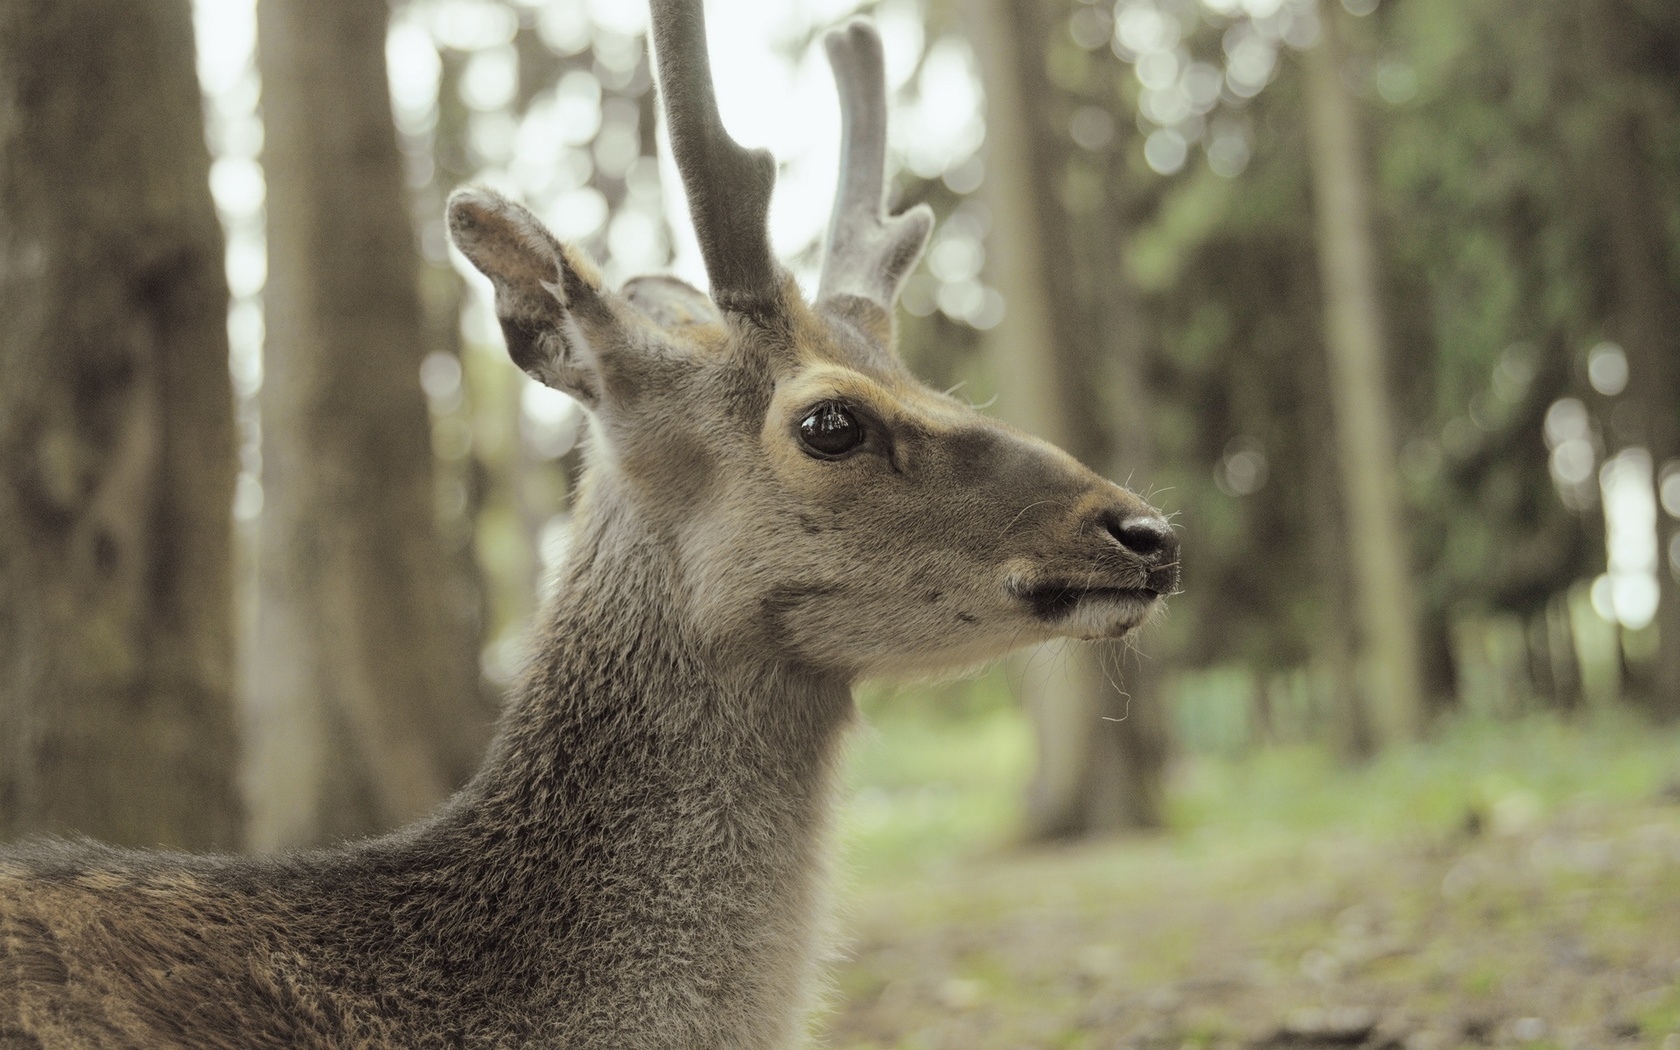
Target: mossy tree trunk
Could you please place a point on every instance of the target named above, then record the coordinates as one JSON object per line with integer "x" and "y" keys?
{"x": 117, "y": 454}
{"x": 362, "y": 678}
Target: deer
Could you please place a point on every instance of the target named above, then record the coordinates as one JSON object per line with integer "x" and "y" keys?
{"x": 773, "y": 509}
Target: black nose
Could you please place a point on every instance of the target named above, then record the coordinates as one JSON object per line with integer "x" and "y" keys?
{"x": 1148, "y": 537}
{"x": 1151, "y": 541}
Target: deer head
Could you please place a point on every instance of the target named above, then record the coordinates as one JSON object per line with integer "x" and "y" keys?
{"x": 814, "y": 502}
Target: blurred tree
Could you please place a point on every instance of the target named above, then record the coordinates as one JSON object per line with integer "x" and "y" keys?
{"x": 1491, "y": 144}
{"x": 1069, "y": 347}
{"x": 1355, "y": 337}
{"x": 116, "y": 434}
{"x": 362, "y": 685}
{"x": 1336, "y": 652}
{"x": 1492, "y": 262}
{"x": 1489, "y": 261}
{"x": 1645, "y": 303}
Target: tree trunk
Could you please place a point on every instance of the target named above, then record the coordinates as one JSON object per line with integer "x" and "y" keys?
{"x": 1337, "y": 644}
{"x": 1354, "y": 337}
{"x": 1647, "y": 319}
{"x": 117, "y": 454}
{"x": 1102, "y": 742}
{"x": 1335, "y": 662}
{"x": 360, "y": 685}
{"x": 1560, "y": 645}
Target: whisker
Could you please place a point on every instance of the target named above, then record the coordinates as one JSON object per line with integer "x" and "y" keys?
{"x": 1028, "y": 507}
{"x": 1113, "y": 678}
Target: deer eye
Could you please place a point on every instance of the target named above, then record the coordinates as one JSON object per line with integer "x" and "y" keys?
{"x": 830, "y": 431}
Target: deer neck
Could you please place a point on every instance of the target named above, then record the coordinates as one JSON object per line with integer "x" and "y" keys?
{"x": 671, "y": 807}
{"x": 618, "y": 668}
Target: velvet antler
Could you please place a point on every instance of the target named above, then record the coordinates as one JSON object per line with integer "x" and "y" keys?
{"x": 728, "y": 187}
{"x": 869, "y": 252}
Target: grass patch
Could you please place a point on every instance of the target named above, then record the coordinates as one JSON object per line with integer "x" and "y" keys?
{"x": 1508, "y": 881}
{"x": 939, "y": 778}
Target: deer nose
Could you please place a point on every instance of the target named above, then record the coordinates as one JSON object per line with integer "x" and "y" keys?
{"x": 1148, "y": 537}
{"x": 1151, "y": 541}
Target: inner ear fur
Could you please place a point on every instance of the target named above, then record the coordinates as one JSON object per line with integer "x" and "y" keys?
{"x": 670, "y": 302}
{"x": 549, "y": 297}
{"x": 868, "y": 317}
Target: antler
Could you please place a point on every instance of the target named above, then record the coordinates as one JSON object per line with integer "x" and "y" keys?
{"x": 869, "y": 252}
{"x": 728, "y": 187}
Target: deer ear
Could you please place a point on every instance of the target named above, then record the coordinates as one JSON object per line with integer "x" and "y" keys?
{"x": 548, "y": 296}
{"x": 670, "y": 302}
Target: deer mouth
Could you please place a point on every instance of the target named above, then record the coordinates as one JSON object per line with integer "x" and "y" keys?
{"x": 1055, "y": 602}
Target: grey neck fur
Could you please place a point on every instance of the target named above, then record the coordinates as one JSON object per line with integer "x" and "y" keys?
{"x": 680, "y": 798}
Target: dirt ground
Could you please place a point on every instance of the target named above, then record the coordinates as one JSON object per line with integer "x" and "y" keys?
{"x": 1516, "y": 929}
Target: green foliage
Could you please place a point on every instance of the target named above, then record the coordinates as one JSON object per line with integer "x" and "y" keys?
{"x": 1485, "y": 122}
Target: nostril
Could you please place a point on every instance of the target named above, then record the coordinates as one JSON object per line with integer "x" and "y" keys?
{"x": 1147, "y": 537}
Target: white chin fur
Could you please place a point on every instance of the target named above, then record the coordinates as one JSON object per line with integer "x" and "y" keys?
{"x": 1105, "y": 616}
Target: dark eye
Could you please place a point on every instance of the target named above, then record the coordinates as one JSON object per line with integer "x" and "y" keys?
{"x": 830, "y": 430}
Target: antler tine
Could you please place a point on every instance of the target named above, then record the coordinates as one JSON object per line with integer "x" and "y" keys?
{"x": 869, "y": 253}
{"x": 728, "y": 187}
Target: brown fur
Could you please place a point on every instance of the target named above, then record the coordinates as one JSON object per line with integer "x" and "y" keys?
{"x": 638, "y": 864}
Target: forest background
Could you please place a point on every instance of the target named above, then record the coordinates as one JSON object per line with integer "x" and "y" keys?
{"x": 1380, "y": 299}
